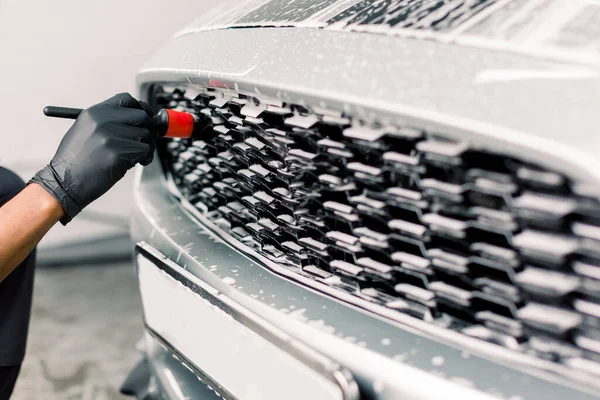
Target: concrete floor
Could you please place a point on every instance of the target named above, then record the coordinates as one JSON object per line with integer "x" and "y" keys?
{"x": 86, "y": 321}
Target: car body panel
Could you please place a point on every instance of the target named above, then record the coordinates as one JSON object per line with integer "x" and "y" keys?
{"x": 562, "y": 30}
{"x": 222, "y": 340}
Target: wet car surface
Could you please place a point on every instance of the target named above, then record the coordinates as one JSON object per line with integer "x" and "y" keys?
{"x": 381, "y": 193}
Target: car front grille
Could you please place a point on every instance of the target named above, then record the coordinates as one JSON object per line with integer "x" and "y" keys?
{"x": 480, "y": 243}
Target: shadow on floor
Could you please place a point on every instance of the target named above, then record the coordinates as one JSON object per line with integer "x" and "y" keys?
{"x": 85, "y": 323}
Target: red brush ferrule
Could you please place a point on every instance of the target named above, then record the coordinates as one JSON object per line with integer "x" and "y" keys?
{"x": 181, "y": 124}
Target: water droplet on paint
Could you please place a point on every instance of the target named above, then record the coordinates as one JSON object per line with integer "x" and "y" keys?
{"x": 438, "y": 361}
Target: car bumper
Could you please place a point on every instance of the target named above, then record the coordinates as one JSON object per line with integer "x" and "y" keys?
{"x": 161, "y": 374}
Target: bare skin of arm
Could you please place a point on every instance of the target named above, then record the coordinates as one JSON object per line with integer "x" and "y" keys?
{"x": 24, "y": 221}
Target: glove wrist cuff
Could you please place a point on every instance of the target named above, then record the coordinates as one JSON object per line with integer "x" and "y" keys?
{"x": 47, "y": 179}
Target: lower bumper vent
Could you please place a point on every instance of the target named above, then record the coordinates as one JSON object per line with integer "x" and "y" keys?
{"x": 481, "y": 243}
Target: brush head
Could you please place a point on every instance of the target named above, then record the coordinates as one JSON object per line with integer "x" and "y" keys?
{"x": 174, "y": 124}
{"x": 181, "y": 124}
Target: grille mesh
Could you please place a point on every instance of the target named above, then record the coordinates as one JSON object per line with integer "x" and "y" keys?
{"x": 480, "y": 243}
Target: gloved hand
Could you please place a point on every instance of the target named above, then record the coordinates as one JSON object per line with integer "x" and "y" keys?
{"x": 104, "y": 143}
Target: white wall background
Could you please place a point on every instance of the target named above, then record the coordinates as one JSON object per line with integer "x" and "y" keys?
{"x": 74, "y": 53}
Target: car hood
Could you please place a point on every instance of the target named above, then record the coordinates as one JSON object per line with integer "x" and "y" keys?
{"x": 563, "y": 30}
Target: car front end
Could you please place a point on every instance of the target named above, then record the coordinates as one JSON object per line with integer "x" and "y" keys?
{"x": 397, "y": 202}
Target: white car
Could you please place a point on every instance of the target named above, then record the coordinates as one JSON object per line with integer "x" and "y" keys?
{"x": 400, "y": 201}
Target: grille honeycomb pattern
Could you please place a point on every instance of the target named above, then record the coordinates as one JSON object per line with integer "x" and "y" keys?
{"x": 480, "y": 243}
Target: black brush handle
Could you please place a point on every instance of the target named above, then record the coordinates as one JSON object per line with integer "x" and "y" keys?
{"x": 160, "y": 120}
{"x": 183, "y": 124}
{"x": 62, "y": 112}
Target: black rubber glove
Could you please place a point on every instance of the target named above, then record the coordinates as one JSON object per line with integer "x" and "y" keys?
{"x": 104, "y": 143}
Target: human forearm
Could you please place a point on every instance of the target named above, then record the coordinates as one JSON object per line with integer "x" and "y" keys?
{"x": 23, "y": 222}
